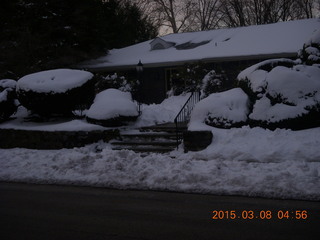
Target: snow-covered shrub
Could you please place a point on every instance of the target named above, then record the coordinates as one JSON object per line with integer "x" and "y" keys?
{"x": 56, "y": 91}
{"x": 111, "y": 108}
{"x": 310, "y": 53}
{"x": 189, "y": 77}
{"x": 8, "y": 104}
{"x": 213, "y": 83}
{"x": 224, "y": 110}
{"x": 117, "y": 82}
{"x": 285, "y": 96}
{"x": 253, "y": 79}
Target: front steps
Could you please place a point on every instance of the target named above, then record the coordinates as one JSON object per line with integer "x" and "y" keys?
{"x": 156, "y": 139}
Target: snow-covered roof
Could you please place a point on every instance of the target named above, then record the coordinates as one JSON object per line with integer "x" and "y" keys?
{"x": 283, "y": 39}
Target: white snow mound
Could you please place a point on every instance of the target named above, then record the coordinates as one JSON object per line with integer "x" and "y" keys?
{"x": 231, "y": 105}
{"x": 57, "y": 80}
{"x": 112, "y": 103}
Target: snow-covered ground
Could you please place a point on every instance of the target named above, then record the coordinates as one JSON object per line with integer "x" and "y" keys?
{"x": 249, "y": 162}
{"x": 243, "y": 161}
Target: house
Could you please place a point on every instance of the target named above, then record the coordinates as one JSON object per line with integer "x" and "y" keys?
{"x": 231, "y": 50}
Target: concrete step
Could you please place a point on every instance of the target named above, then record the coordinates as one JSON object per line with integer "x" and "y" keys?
{"x": 151, "y": 143}
{"x": 158, "y": 139}
{"x": 149, "y": 149}
{"x": 149, "y": 135}
{"x": 167, "y": 127}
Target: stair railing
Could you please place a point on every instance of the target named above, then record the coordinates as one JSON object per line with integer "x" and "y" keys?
{"x": 183, "y": 116}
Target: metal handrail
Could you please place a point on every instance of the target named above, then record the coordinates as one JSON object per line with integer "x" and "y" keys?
{"x": 184, "y": 115}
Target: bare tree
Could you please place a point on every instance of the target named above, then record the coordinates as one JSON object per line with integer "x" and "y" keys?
{"x": 236, "y": 13}
{"x": 173, "y": 14}
{"x": 306, "y": 8}
{"x": 249, "y": 12}
{"x": 194, "y": 15}
{"x": 207, "y": 14}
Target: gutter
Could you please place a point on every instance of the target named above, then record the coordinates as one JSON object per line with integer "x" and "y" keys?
{"x": 128, "y": 67}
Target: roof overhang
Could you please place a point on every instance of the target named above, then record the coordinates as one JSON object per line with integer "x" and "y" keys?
{"x": 128, "y": 67}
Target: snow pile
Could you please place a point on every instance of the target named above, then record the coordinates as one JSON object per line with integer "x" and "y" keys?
{"x": 57, "y": 80}
{"x": 244, "y": 161}
{"x": 112, "y": 103}
{"x": 282, "y": 90}
{"x": 7, "y": 83}
{"x": 162, "y": 113}
{"x": 224, "y": 109}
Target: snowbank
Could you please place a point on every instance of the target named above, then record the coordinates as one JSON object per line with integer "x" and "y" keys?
{"x": 249, "y": 162}
{"x": 162, "y": 113}
{"x": 57, "y": 80}
{"x": 221, "y": 109}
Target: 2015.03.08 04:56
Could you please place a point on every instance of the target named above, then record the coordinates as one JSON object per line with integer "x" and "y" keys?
{"x": 262, "y": 214}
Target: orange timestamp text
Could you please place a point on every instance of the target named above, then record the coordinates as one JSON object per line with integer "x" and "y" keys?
{"x": 259, "y": 214}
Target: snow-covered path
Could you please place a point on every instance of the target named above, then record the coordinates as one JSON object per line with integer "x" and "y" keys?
{"x": 250, "y": 162}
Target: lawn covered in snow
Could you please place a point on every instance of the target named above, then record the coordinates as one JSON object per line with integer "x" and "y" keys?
{"x": 244, "y": 161}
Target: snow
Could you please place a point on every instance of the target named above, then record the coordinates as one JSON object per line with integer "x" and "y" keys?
{"x": 57, "y": 80}
{"x": 4, "y": 95}
{"x": 8, "y": 83}
{"x": 264, "y": 111}
{"x": 249, "y": 162}
{"x": 67, "y": 125}
{"x": 21, "y": 122}
{"x": 240, "y": 161}
{"x": 294, "y": 84}
{"x": 231, "y": 105}
{"x": 112, "y": 103}
{"x": 315, "y": 38}
{"x": 297, "y": 88}
{"x": 271, "y": 39}
{"x": 161, "y": 113}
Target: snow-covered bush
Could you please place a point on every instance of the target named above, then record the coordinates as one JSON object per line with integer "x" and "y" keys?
{"x": 253, "y": 79}
{"x": 310, "y": 53}
{"x": 189, "y": 77}
{"x": 118, "y": 82}
{"x": 56, "y": 91}
{"x": 285, "y": 96}
{"x": 111, "y": 108}
{"x": 8, "y": 104}
{"x": 213, "y": 83}
{"x": 224, "y": 110}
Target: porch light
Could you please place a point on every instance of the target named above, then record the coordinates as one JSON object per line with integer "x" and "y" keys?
{"x": 139, "y": 67}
